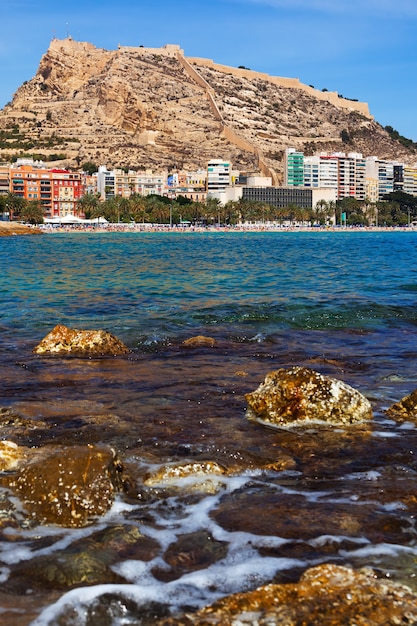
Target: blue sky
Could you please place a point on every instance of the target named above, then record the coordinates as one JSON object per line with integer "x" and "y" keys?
{"x": 364, "y": 49}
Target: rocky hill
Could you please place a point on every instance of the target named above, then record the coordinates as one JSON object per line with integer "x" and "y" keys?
{"x": 153, "y": 107}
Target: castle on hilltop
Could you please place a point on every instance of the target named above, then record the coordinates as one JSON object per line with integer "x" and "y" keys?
{"x": 175, "y": 51}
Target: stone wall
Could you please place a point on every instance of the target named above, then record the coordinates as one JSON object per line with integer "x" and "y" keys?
{"x": 289, "y": 83}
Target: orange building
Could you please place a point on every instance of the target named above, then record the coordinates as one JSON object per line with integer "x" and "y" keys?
{"x": 57, "y": 190}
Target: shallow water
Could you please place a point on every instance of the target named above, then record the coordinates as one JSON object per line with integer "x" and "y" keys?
{"x": 341, "y": 303}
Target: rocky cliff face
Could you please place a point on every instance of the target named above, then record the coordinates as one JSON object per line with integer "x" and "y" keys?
{"x": 151, "y": 108}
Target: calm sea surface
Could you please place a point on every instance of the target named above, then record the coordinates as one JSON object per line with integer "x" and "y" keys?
{"x": 344, "y": 304}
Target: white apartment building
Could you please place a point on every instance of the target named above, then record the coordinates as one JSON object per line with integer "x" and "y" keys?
{"x": 352, "y": 175}
{"x": 120, "y": 183}
{"x": 321, "y": 172}
{"x": 410, "y": 180}
{"x": 219, "y": 176}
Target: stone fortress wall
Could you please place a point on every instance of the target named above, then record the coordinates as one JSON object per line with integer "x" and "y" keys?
{"x": 174, "y": 50}
{"x": 289, "y": 83}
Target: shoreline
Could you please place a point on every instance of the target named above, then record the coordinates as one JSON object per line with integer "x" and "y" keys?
{"x": 8, "y": 229}
{"x": 164, "y": 228}
{"x": 16, "y": 228}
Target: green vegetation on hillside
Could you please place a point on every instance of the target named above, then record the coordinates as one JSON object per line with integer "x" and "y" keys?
{"x": 394, "y": 134}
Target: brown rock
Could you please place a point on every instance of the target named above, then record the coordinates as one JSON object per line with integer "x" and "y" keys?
{"x": 199, "y": 340}
{"x": 191, "y": 552}
{"x": 63, "y": 340}
{"x": 13, "y": 228}
{"x": 298, "y": 395}
{"x": 11, "y": 455}
{"x": 200, "y": 476}
{"x": 405, "y": 409}
{"x": 68, "y": 486}
{"x": 327, "y": 594}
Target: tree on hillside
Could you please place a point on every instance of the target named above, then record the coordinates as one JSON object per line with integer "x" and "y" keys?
{"x": 89, "y": 167}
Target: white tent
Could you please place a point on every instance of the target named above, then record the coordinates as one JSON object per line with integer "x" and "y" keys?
{"x": 66, "y": 219}
{"x": 73, "y": 219}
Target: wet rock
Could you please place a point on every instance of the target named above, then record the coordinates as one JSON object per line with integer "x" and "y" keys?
{"x": 405, "y": 409}
{"x": 63, "y": 340}
{"x": 198, "y": 476}
{"x": 18, "y": 427}
{"x": 199, "y": 340}
{"x": 85, "y": 562}
{"x": 299, "y": 395}
{"x": 11, "y": 455}
{"x": 68, "y": 486}
{"x": 193, "y": 551}
{"x": 327, "y": 594}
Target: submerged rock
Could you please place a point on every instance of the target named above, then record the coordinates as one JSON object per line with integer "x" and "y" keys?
{"x": 405, "y": 409}
{"x": 199, "y": 340}
{"x": 297, "y": 395}
{"x": 84, "y": 563}
{"x": 191, "y": 552}
{"x": 64, "y": 340}
{"x": 326, "y": 594}
{"x": 68, "y": 486}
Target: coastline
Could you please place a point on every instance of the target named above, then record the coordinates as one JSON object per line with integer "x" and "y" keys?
{"x": 15, "y": 228}
{"x": 249, "y": 228}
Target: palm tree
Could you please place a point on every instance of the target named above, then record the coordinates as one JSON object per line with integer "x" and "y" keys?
{"x": 213, "y": 209}
{"x": 14, "y": 205}
{"x": 32, "y": 212}
{"x": 88, "y": 205}
{"x": 137, "y": 208}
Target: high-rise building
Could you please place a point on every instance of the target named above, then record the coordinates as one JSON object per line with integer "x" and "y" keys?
{"x": 410, "y": 180}
{"x": 219, "y": 176}
{"x": 385, "y": 178}
{"x": 293, "y": 168}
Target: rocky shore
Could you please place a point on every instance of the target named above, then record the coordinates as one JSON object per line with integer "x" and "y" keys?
{"x": 14, "y": 228}
{"x": 70, "y": 486}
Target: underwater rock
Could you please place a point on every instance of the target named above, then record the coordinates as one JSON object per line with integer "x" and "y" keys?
{"x": 326, "y": 594}
{"x": 85, "y": 563}
{"x": 63, "y": 340}
{"x": 192, "y": 552}
{"x": 290, "y": 397}
{"x": 199, "y": 340}
{"x": 405, "y": 409}
{"x": 68, "y": 486}
{"x": 11, "y": 455}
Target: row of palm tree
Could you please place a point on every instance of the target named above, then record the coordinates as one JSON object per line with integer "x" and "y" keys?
{"x": 398, "y": 208}
{"x": 159, "y": 209}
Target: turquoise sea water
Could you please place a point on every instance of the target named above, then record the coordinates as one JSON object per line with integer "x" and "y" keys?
{"x": 343, "y": 303}
{"x": 162, "y": 286}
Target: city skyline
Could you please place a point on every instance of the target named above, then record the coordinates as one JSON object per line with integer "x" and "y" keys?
{"x": 361, "y": 49}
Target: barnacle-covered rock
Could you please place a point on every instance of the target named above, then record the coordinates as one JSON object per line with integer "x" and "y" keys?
{"x": 326, "y": 594}
{"x": 63, "y": 340}
{"x": 290, "y": 397}
{"x": 69, "y": 485}
{"x": 11, "y": 455}
{"x": 405, "y": 409}
{"x": 200, "y": 476}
